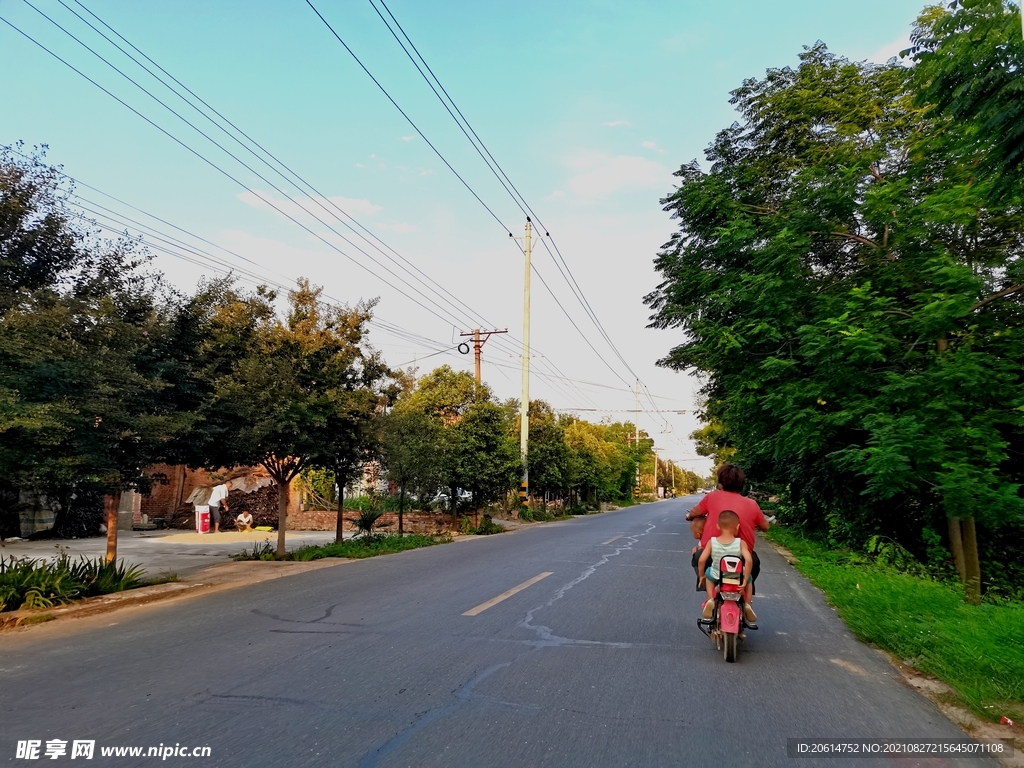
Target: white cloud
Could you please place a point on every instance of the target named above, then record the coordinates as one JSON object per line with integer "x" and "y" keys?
{"x": 890, "y": 50}
{"x": 408, "y": 138}
{"x": 617, "y": 123}
{"x": 602, "y": 175}
{"x": 308, "y": 206}
{"x": 360, "y": 165}
{"x": 649, "y": 145}
{"x": 556, "y": 195}
{"x": 402, "y": 227}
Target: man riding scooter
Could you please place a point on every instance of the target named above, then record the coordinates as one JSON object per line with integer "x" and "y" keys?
{"x": 731, "y": 480}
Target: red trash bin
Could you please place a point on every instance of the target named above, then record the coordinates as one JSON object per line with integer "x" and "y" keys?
{"x": 202, "y": 519}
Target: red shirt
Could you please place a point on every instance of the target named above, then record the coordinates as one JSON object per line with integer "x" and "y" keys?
{"x": 717, "y": 502}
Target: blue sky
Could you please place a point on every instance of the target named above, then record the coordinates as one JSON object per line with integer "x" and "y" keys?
{"x": 588, "y": 106}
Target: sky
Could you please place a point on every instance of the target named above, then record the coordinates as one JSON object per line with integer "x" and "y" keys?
{"x": 588, "y": 107}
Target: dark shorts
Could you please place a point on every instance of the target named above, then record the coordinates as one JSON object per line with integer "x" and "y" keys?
{"x": 755, "y": 569}
{"x": 215, "y": 514}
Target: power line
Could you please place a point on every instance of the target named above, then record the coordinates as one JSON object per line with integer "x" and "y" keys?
{"x": 495, "y": 168}
{"x": 270, "y": 203}
{"x": 283, "y": 170}
{"x": 287, "y": 173}
{"x": 214, "y": 165}
{"x": 456, "y": 173}
{"x": 409, "y": 119}
{"x": 499, "y": 173}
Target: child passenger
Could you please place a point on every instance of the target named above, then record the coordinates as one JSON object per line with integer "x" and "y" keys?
{"x": 727, "y": 542}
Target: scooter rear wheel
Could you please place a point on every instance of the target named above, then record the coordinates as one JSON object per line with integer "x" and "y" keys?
{"x": 730, "y": 646}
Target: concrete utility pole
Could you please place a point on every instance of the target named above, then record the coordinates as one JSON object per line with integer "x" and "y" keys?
{"x": 636, "y": 437}
{"x": 479, "y": 339}
{"x": 524, "y": 408}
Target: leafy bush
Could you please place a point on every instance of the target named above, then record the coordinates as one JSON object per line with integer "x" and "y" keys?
{"x": 260, "y": 551}
{"x": 486, "y": 527}
{"x": 360, "y": 548}
{"x": 26, "y": 583}
{"x": 366, "y": 520}
{"x": 350, "y": 548}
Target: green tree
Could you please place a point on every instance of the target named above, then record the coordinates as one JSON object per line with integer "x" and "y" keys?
{"x": 410, "y": 444}
{"x": 87, "y": 397}
{"x": 478, "y": 455}
{"x": 548, "y": 456}
{"x": 446, "y": 394}
{"x": 712, "y": 441}
{"x": 288, "y": 392}
{"x": 475, "y": 452}
{"x": 842, "y": 278}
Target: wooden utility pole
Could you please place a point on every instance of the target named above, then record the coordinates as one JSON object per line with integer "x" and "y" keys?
{"x": 479, "y": 339}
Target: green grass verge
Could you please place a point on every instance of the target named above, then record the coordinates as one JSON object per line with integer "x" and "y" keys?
{"x": 350, "y": 548}
{"x": 978, "y": 650}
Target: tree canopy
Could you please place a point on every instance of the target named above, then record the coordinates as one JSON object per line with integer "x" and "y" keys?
{"x": 848, "y": 289}
{"x": 287, "y": 392}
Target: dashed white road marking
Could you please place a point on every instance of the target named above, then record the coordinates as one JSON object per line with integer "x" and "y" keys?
{"x": 506, "y": 595}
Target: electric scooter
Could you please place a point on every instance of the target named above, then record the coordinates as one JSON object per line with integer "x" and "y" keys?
{"x": 726, "y": 624}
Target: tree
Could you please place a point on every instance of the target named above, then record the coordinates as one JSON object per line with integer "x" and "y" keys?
{"x": 548, "y": 456}
{"x": 87, "y": 397}
{"x": 601, "y": 459}
{"x": 288, "y": 392}
{"x": 712, "y": 441}
{"x": 477, "y": 454}
{"x": 968, "y": 57}
{"x": 844, "y": 282}
{"x": 474, "y": 451}
{"x": 446, "y": 394}
{"x": 409, "y": 451}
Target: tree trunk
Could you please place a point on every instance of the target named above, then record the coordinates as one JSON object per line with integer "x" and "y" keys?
{"x": 401, "y": 509}
{"x": 956, "y": 546}
{"x": 283, "y": 491}
{"x": 110, "y": 505}
{"x": 339, "y": 531}
{"x": 455, "y": 507}
{"x": 972, "y": 585}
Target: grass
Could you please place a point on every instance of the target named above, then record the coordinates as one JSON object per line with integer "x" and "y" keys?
{"x": 26, "y": 583}
{"x": 978, "y": 650}
{"x": 350, "y": 548}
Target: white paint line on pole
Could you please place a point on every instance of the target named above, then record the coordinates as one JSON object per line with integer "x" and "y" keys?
{"x": 506, "y": 595}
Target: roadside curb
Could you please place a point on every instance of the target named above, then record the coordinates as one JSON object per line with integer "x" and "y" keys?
{"x": 214, "y": 578}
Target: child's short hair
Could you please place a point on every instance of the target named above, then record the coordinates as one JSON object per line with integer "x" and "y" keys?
{"x": 728, "y": 517}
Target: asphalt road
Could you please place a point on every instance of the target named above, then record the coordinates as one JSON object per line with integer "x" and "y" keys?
{"x": 374, "y": 663}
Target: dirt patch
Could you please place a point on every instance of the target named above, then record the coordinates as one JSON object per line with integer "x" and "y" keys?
{"x": 947, "y": 700}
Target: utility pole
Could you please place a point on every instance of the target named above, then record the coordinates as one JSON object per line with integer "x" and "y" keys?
{"x": 636, "y": 438}
{"x": 479, "y": 339}
{"x": 524, "y": 408}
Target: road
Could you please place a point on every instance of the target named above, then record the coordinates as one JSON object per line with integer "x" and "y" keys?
{"x": 373, "y": 663}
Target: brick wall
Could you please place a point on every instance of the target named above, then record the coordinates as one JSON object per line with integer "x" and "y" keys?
{"x": 166, "y": 499}
{"x": 412, "y": 522}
